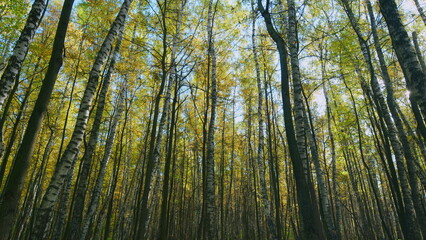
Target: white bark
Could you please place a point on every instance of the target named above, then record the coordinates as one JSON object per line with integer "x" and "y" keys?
{"x": 414, "y": 75}
{"x": 20, "y": 50}
{"x": 260, "y": 147}
{"x": 107, "y": 153}
{"x": 81, "y": 188}
{"x": 210, "y": 178}
{"x": 383, "y": 110}
{"x": 297, "y": 84}
{"x": 401, "y": 133}
{"x": 70, "y": 152}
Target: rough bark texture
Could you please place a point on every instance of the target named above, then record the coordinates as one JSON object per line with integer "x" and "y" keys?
{"x": 414, "y": 76}
{"x": 300, "y": 115}
{"x": 300, "y": 119}
{"x": 21, "y": 49}
{"x": 420, "y": 123}
{"x": 16, "y": 180}
{"x": 71, "y": 150}
{"x": 299, "y": 111}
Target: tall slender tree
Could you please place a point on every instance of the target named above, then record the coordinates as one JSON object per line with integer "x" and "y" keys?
{"x": 81, "y": 188}
{"x": 411, "y": 202}
{"x": 20, "y": 50}
{"x": 15, "y": 182}
{"x": 63, "y": 166}
{"x": 311, "y": 223}
{"x": 414, "y": 76}
{"x": 209, "y": 218}
{"x": 262, "y": 183}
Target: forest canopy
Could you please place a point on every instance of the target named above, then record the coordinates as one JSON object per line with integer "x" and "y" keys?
{"x": 212, "y": 119}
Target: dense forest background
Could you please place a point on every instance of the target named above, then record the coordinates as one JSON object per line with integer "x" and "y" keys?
{"x": 213, "y": 119}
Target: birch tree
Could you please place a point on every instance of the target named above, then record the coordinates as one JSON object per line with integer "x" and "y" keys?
{"x": 9, "y": 199}
{"x": 94, "y": 202}
{"x": 260, "y": 147}
{"x": 81, "y": 188}
{"x": 71, "y": 150}
{"x": 20, "y": 50}
{"x": 209, "y": 197}
{"x": 311, "y": 223}
{"x": 414, "y": 76}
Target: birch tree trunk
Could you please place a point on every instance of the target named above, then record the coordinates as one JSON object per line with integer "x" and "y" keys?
{"x": 411, "y": 231}
{"x": 63, "y": 205}
{"x": 169, "y": 74}
{"x": 71, "y": 150}
{"x": 406, "y": 146}
{"x": 142, "y": 210}
{"x": 418, "y": 52}
{"x": 156, "y": 134}
{"x": 365, "y": 215}
{"x": 273, "y": 156}
{"x": 61, "y": 213}
{"x": 334, "y": 231}
{"x": 414, "y": 76}
{"x": 20, "y": 50}
{"x": 421, "y": 11}
{"x": 260, "y": 147}
{"x": 10, "y": 198}
{"x": 322, "y": 189}
{"x": 300, "y": 116}
{"x": 420, "y": 123}
{"x": 209, "y": 194}
{"x": 334, "y": 168}
{"x": 163, "y": 229}
{"x": 299, "y": 111}
{"x": 81, "y": 188}
{"x": 107, "y": 153}
{"x": 311, "y": 223}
